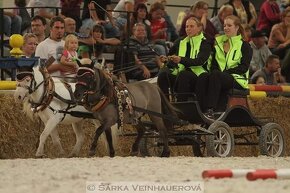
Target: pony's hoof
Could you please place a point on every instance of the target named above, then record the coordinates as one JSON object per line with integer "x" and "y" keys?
{"x": 112, "y": 154}
{"x": 72, "y": 155}
{"x": 92, "y": 153}
{"x": 134, "y": 153}
{"x": 40, "y": 156}
{"x": 165, "y": 154}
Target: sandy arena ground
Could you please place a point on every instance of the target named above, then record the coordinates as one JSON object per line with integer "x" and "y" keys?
{"x": 64, "y": 175}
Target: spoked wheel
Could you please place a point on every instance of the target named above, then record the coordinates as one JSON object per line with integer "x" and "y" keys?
{"x": 271, "y": 140}
{"x": 150, "y": 147}
{"x": 198, "y": 146}
{"x": 221, "y": 143}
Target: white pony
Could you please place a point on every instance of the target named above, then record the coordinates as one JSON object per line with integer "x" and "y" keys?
{"x": 52, "y": 100}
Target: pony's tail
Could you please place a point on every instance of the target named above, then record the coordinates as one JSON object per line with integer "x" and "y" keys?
{"x": 168, "y": 109}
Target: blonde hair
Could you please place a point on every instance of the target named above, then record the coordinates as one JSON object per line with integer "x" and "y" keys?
{"x": 237, "y": 22}
{"x": 68, "y": 38}
{"x": 198, "y": 5}
{"x": 28, "y": 36}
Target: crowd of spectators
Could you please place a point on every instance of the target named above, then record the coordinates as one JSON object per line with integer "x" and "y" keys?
{"x": 99, "y": 25}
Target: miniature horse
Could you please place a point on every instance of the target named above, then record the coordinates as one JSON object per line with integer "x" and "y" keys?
{"x": 114, "y": 102}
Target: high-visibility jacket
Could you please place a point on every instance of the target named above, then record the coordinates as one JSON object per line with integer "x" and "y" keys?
{"x": 232, "y": 58}
{"x": 195, "y": 44}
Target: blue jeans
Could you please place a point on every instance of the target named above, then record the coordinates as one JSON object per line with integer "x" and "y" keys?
{"x": 12, "y": 25}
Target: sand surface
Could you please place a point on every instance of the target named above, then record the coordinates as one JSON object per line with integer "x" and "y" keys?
{"x": 62, "y": 175}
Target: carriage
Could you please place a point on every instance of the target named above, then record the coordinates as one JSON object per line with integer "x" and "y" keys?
{"x": 213, "y": 136}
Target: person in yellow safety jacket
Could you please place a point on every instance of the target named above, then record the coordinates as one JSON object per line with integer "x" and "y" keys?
{"x": 229, "y": 67}
{"x": 187, "y": 59}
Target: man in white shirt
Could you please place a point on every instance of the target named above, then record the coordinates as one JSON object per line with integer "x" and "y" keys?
{"x": 53, "y": 46}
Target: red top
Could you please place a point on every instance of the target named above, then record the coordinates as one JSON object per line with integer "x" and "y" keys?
{"x": 157, "y": 25}
{"x": 269, "y": 15}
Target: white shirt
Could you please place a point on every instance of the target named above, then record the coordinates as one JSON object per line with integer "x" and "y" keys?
{"x": 48, "y": 48}
{"x": 121, "y": 7}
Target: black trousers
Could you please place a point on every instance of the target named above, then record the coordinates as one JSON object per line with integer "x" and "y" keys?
{"x": 212, "y": 89}
{"x": 186, "y": 82}
{"x": 166, "y": 81}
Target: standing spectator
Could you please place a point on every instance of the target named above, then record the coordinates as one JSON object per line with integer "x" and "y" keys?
{"x": 271, "y": 72}
{"x": 200, "y": 11}
{"x": 246, "y": 11}
{"x": 53, "y": 47}
{"x": 29, "y": 45}
{"x": 229, "y": 68}
{"x": 279, "y": 40}
{"x": 72, "y": 9}
{"x": 218, "y": 20}
{"x": 38, "y": 26}
{"x": 260, "y": 51}
{"x": 269, "y": 15}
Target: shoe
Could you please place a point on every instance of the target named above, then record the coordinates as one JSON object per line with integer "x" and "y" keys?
{"x": 209, "y": 113}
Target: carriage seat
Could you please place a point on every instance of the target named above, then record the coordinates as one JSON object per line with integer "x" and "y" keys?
{"x": 238, "y": 97}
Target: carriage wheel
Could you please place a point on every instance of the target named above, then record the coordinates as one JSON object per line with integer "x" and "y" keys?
{"x": 271, "y": 140}
{"x": 221, "y": 143}
{"x": 199, "y": 147}
{"x": 150, "y": 147}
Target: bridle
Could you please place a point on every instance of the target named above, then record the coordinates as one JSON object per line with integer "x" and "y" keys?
{"x": 92, "y": 89}
{"x": 47, "y": 82}
{"x": 27, "y": 76}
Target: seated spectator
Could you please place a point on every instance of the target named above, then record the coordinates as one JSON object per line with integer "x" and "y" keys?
{"x": 171, "y": 30}
{"x": 269, "y": 15}
{"x": 12, "y": 23}
{"x": 279, "y": 40}
{"x": 72, "y": 9}
{"x": 140, "y": 15}
{"x": 271, "y": 72}
{"x": 200, "y": 11}
{"x": 146, "y": 60}
{"x": 38, "y": 26}
{"x": 53, "y": 47}
{"x": 158, "y": 23}
{"x": 218, "y": 20}
{"x": 29, "y": 45}
{"x": 93, "y": 47}
{"x": 259, "y": 80}
{"x": 246, "y": 11}
{"x": 70, "y": 26}
{"x": 70, "y": 56}
{"x": 260, "y": 51}
{"x": 94, "y": 13}
{"x": 23, "y": 13}
{"x": 47, "y": 13}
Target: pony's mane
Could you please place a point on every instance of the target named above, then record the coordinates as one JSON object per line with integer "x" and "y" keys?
{"x": 104, "y": 79}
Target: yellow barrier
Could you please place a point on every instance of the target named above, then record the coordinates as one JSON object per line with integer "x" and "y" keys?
{"x": 7, "y": 85}
{"x": 257, "y": 94}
